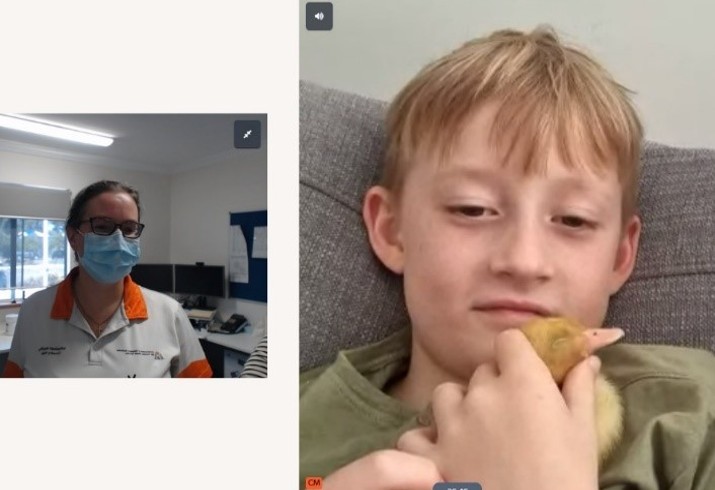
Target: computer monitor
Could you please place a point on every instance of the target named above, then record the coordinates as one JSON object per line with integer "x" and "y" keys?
{"x": 159, "y": 277}
{"x": 204, "y": 280}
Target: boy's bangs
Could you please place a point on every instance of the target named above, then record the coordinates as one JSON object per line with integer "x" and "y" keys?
{"x": 526, "y": 129}
{"x": 549, "y": 97}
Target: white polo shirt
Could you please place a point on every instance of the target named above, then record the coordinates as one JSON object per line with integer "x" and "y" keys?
{"x": 148, "y": 336}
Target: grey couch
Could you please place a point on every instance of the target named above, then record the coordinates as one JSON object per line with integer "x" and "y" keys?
{"x": 348, "y": 299}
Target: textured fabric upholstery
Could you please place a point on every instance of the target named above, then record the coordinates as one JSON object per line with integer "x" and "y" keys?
{"x": 347, "y": 298}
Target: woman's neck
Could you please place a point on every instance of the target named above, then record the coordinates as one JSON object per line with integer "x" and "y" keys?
{"x": 97, "y": 297}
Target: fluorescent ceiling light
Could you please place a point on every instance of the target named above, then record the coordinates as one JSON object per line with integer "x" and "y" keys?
{"x": 54, "y": 130}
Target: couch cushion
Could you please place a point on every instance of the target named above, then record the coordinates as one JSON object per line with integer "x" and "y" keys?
{"x": 670, "y": 298}
{"x": 347, "y": 298}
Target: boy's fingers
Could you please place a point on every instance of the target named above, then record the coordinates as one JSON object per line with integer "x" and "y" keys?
{"x": 601, "y": 337}
{"x": 446, "y": 397}
{"x": 415, "y": 473}
{"x": 386, "y": 469}
{"x": 579, "y": 389}
{"x": 514, "y": 354}
{"x": 418, "y": 442}
{"x": 484, "y": 372}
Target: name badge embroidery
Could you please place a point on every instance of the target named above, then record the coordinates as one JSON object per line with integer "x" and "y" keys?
{"x": 51, "y": 351}
{"x": 135, "y": 352}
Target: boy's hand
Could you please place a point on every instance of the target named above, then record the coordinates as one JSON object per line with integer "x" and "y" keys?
{"x": 511, "y": 428}
{"x": 387, "y": 469}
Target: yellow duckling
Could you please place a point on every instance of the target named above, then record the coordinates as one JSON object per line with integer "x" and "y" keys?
{"x": 562, "y": 343}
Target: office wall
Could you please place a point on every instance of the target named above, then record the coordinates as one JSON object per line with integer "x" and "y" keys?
{"x": 201, "y": 201}
{"x": 153, "y": 191}
{"x": 661, "y": 49}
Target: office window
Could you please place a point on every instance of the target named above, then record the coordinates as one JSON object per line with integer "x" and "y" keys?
{"x": 34, "y": 254}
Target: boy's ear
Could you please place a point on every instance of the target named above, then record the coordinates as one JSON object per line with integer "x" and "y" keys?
{"x": 626, "y": 254}
{"x": 379, "y": 211}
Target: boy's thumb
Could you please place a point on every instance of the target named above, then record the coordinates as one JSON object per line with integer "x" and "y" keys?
{"x": 579, "y": 388}
{"x": 595, "y": 364}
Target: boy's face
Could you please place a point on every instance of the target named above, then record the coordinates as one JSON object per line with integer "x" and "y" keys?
{"x": 484, "y": 247}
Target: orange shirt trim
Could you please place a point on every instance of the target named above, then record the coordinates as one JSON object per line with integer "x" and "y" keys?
{"x": 12, "y": 370}
{"x": 197, "y": 369}
{"x": 134, "y": 305}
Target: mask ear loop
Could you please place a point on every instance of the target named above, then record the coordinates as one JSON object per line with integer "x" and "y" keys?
{"x": 76, "y": 254}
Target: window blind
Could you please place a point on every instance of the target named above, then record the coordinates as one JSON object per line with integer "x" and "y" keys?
{"x": 27, "y": 201}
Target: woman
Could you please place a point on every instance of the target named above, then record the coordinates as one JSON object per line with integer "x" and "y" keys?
{"x": 98, "y": 322}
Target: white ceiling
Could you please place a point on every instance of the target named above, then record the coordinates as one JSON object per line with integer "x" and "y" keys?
{"x": 161, "y": 143}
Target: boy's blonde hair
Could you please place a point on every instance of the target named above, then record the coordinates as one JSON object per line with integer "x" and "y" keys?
{"x": 548, "y": 93}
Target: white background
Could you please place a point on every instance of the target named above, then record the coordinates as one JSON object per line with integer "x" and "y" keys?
{"x": 662, "y": 49}
{"x": 162, "y": 56}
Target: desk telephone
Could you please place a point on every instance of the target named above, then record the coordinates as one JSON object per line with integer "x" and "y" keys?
{"x": 235, "y": 324}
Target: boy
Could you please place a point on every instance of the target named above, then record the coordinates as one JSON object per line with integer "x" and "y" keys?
{"x": 508, "y": 193}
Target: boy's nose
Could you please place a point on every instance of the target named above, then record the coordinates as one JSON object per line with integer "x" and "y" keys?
{"x": 522, "y": 254}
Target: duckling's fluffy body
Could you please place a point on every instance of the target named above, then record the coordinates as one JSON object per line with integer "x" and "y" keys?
{"x": 562, "y": 343}
{"x": 609, "y": 417}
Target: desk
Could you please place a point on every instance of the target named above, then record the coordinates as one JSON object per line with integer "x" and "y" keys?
{"x": 226, "y": 353}
{"x": 242, "y": 342}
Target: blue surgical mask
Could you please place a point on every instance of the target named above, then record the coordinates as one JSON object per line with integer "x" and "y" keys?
{"x": 109, "y": 258}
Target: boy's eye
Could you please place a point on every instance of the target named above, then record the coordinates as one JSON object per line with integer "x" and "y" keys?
{"x": 573, "y": 221}
{"x": 471, "y": 211}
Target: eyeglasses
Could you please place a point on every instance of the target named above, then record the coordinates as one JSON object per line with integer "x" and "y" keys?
{"x": 105, "y": 226}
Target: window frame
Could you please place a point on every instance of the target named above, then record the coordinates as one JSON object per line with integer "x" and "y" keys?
{"x": 15, "y": 288}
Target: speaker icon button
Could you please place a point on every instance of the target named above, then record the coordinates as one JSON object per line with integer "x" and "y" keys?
{"x": 319, "y": 16}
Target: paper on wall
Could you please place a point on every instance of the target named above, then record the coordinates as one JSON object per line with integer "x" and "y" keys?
{"x": 238, "y": 261}
{"x": 260, "y": 242}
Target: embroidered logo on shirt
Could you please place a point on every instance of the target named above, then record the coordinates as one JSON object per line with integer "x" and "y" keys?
{"x": 135, "y": 352}
{"x": 51, "y": 351}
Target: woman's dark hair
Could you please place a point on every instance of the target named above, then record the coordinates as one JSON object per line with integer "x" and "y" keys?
{"x": 74, "y": 217}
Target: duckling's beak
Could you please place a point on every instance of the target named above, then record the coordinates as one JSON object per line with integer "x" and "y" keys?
{"x": 601, "y": 337}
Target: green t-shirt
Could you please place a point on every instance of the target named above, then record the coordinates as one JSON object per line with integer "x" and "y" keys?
{"x": 668, "y": 394}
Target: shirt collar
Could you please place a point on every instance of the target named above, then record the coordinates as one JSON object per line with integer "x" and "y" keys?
{"x": 133, "y": 301}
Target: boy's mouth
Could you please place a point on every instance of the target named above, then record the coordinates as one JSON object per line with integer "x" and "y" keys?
{"x": 513, "y": 307}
